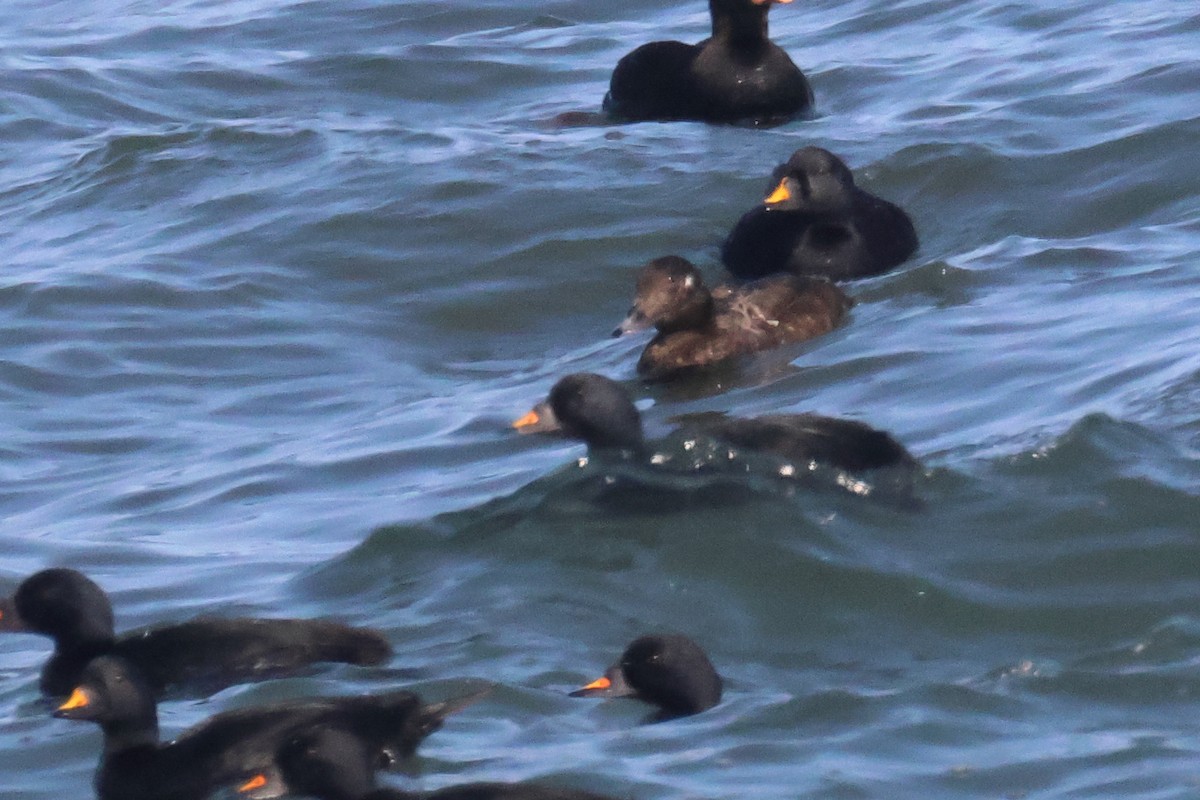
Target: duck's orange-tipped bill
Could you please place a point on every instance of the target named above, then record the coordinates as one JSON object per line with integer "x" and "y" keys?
{"x": 78, "y": 699}
{"x": 780, "y": 194}
{"x": 526, "y": 421}
{"x": 257, "y": 782}
{"x": 599, "y": 683}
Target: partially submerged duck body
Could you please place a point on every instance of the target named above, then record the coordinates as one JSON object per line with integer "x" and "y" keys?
{"x": 210, "y": 652}
{"x": 598, "y": 411}
{"x": 807, "y": 438}
{"x": 668, "y": 670}
{"x": 738, "y": 74}
{"x": 815, "y": 221}
{"x": 220, "y": 752}
{"x": 332, "y": 764}
{"x": 699, "y": 328}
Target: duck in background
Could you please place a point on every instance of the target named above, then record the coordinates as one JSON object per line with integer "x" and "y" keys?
{"x": 211, "y": 652}
{"x": 815, "y": 221}
{"x": 698, "y": 327}
{"x": 736, "y": 75}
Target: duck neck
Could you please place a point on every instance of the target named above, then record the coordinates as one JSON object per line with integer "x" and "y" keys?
{"x": 83, "y": 650}
{"x": 127, "y": 734}
{"x": 695, "y": 314}
{"x": 61, "y": 672}
{"x": 739, "y": 22}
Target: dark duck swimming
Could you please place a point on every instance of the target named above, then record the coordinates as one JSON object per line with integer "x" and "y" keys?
{"x": 212, "y": 652}
{"x": 598, "y": 411}
{"x": 698, "y": 327}
{"x": 669, "y": 671}
{"x": 221, "y": 752}
{"x": 736, "y": 75}
{"x": 333, "y": 764}
{"x": 815, "y": 221}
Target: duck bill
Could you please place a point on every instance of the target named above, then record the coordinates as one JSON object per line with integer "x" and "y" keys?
{"x": 781, "y": 195}
{"x": 262, "y": 785}
{"x": 10, "y": 620}
{"x": 769, "y": 2}
{"x": 611, "y": 684}
{"x": 254, "y": 784}
{"x": 636, "y": 321}
{"x": 77, "y": 706}
{"x": 540, "y": 419}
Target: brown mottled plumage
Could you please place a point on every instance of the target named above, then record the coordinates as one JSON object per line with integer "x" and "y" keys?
{"x": 698, "y": 327}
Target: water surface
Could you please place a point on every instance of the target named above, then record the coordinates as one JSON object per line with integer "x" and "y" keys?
{"x": 279, "y": 274}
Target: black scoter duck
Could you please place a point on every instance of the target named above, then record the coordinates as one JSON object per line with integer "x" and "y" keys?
{"x": 220, "y": 752}
{"x": 737, "y": 74}
{"x": 71, "y": 609}
{"x": 599, "y": 411}
{"x": 698, "y": 327}
{"x": 334, "y": 764}
{"x": 668, "y": 670}
{"x": 815, "y": 221}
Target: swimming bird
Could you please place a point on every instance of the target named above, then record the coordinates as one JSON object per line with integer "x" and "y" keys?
{"x": 698, "y": 327}
{"x": 816, "y": 221}
{"x": 333, "y": 764}
{"x": 212, "y": 652}
{"x": 669, "y": 671}
{"x": 598, "y": 411}
{"x": 737, "y": 74}
{"x": 220, "y": 752}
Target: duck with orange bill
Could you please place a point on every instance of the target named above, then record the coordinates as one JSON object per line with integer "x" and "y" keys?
{"x": 599, "y": 411}
{"x": 330, "y": 763}
{"x": 220, "y": 752}
{"x": 814, "y": 220}
{"x": 669, "y": 671}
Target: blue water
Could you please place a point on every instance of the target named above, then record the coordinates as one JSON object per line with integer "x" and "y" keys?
{"x": 278, "y": 275}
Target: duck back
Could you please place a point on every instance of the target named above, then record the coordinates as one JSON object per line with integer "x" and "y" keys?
{"x": 873, "y": 237}
{"x": 748, "y": 319}
{"x": 842, "y": 443}
{"x": 216, "y": 652}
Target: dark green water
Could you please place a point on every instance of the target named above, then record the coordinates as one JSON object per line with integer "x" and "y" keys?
{"x": 278, "y": 275}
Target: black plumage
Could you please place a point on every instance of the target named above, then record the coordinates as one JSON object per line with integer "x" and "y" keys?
{"x": 333, "y": 764}
{"x": 224, "y": 749}
{"x": 815, "y": 221}
{"x": 599, "y": 411}
{"x": 208, "y": 652}
{"x": 737, "y": 74}
{"x": 669, "y": 671}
